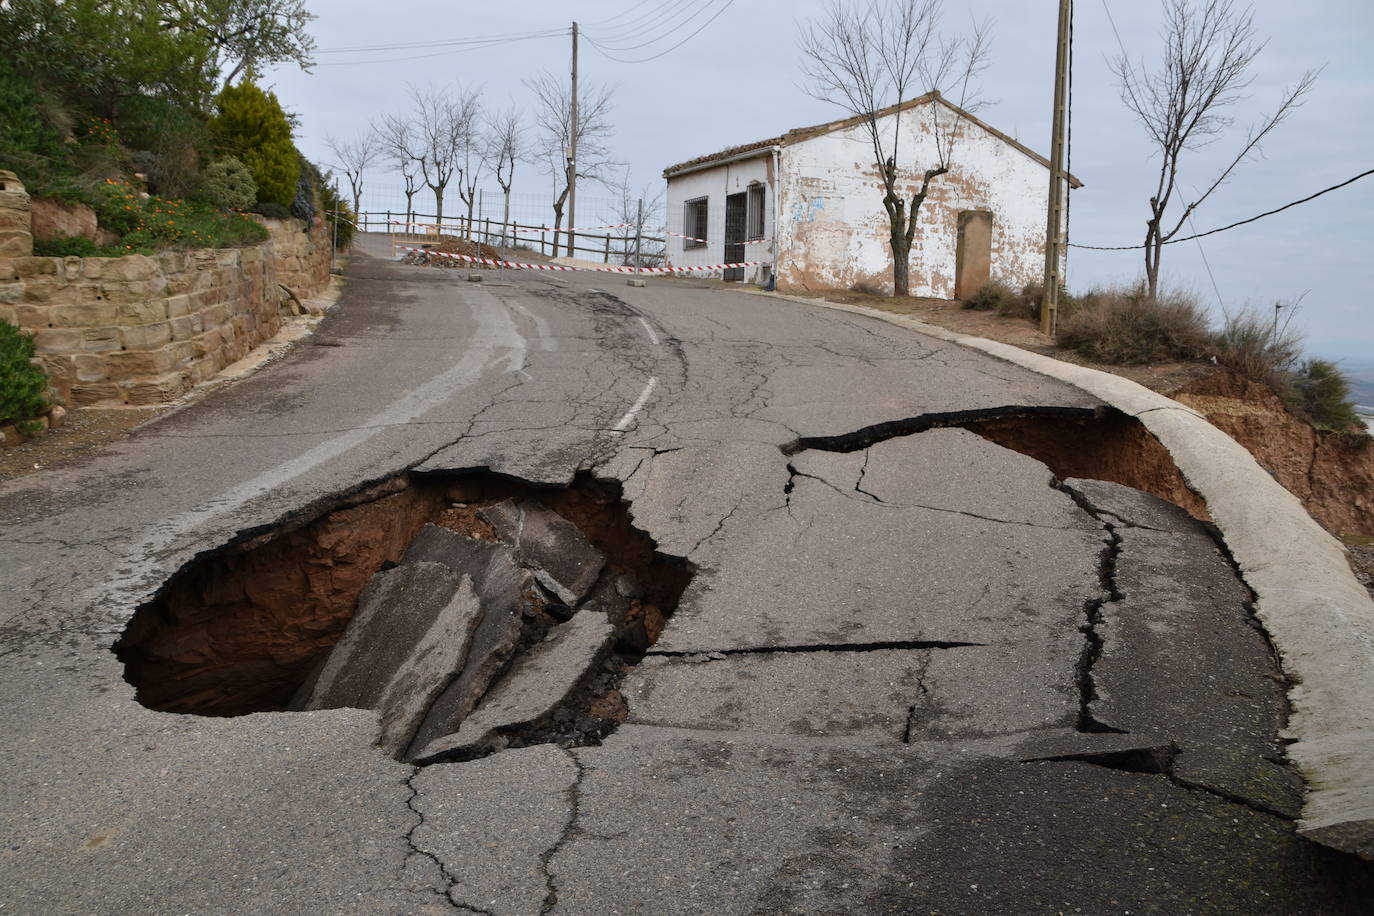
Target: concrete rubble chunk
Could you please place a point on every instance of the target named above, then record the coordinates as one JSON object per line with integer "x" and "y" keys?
{"x": 561, "y": 557}
{"x": 506, "y": 594}
{"x": 537, "y": 683}
{"x": 414, "y": 626}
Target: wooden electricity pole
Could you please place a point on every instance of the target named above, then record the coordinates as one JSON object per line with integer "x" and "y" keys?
{"x": 1054, "y": 230}
{"x": 572, "y": 152}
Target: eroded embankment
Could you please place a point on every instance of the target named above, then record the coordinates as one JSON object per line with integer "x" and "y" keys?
{"x": 239, "y": 629}
{"x": 1333, "y": 474}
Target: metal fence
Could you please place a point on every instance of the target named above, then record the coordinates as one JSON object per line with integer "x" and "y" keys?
{"x": 609, "y": 230}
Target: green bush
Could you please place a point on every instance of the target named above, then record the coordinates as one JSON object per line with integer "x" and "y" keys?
{"x": 1127, "y": 326}
{"x": 228, "y": 183}
{"x": 332, "y": 204}
{"x": 23, "y": 386}
{"x": 251, "y": 126}
{"x": 1320, "y": 393}
{"x": 146, "y": 224}
{"x": 171, "y": 143}
{"x": 303, "y": 204}
{"x": 22, "y": 128}
{"x": 66, "y": 246}
{"x": 271, "y": 210}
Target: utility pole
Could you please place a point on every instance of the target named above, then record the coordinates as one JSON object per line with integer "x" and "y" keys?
{"x": 1054, "y": 230}
{"x": 572, "y": 152}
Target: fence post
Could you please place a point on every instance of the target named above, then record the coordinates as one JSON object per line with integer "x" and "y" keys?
{"x": 639, "y": 233}
{"x": 486, "y": 230}
{"x": 607, "y": 259}
{"x": 542, "y": 234}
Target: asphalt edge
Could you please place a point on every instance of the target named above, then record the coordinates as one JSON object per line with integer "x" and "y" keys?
{"x": 1317, "y": 614}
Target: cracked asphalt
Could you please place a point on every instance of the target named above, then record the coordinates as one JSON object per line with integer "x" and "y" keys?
{"x": 911, "y": 674}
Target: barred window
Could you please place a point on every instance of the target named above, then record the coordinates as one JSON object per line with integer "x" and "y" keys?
{"x": 694, "y": 223}
{"x": 754, "y": 221}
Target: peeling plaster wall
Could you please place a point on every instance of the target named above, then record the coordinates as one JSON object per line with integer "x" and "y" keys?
{"x": 715, "y": 183}
{"x": 833, "y": 231}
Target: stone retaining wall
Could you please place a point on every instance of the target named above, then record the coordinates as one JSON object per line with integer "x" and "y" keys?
{"x": 138, "y": 329}
{"x": 301, "y": 258}
{"x": 144, "y": 329}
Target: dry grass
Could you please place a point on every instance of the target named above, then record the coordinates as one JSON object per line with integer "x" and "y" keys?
{"x": 1124, "y": 325}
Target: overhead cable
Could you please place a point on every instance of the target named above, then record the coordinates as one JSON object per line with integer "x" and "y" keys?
{"x": 1201, "y": 235}
{"x": 642, "y": 60}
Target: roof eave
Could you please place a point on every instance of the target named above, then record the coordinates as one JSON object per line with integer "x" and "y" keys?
{"x": 680, "y": 170}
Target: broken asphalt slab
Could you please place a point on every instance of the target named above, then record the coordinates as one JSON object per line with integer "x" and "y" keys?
{"x": 1319, "y": 617}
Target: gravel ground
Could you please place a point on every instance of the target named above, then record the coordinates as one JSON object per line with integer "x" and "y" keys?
{"x": 86, "y": 431}
{"x": 1362, "y": 558}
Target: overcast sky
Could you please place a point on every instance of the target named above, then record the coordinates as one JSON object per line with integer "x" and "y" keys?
{"x": 738, "y": 80}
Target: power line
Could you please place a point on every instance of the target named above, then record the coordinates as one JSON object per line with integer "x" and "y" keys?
{"x": 491, "y": 43}
{"x": 623, "y": 15}
{"x": 645, "y": 22}
{"x": 642, "y": 60}
{"x": 1201, "y": 235}
{"x": 401, "y": 46}
{"x": 667, "y": 22}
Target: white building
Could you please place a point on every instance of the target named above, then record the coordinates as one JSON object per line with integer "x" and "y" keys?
{"x": 810, "y": 203}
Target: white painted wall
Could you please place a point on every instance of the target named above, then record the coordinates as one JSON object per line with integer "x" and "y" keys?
{"x": 833, "y": 230}
{"x": 715, "y": 183}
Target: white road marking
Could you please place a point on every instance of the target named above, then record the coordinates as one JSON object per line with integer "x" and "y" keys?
{"x": 649, "y": 329}
{"x": 498, "y": 344}
{"x": 630, "y": 414}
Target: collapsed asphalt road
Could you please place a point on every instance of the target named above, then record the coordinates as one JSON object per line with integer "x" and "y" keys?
{"x": 905, "y": 654}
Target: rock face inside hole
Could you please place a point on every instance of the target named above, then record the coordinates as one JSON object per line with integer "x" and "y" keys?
{"x": 475, "y": 596}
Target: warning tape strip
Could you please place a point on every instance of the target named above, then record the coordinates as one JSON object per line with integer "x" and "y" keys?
{"x": 515, "y": 265}
{"x": 532, "y": 231}
{"x": 688, "y": 238}
{"x": 518, "y": 230}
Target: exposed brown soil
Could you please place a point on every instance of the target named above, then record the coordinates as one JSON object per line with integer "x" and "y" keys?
{"x": 1111, "y": 447}
{"x": 1332, "y": 474}
{"x": 239, "y": 629}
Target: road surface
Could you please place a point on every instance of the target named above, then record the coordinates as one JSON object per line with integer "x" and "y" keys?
{"x": 913, "y": 671}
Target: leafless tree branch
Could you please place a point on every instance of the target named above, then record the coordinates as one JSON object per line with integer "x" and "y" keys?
{"x": 1184, "y": 104}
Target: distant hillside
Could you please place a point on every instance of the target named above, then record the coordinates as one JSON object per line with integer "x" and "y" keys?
{"x": 1361, "y": 375}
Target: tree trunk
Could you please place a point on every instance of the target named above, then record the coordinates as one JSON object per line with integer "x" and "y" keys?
{"x": 557, "y": 224}
{"x": 901, "y": 265}
{"x": 439, "y": 207}
{"x": 505, "y": 220}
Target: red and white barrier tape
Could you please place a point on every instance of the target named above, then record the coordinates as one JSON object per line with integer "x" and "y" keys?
{"x": 518, "y": 230}
{"x": 491, "y": 262}
{"x": 688, "y": 238}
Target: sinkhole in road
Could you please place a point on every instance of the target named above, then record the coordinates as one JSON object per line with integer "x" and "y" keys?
{"x": 1095, "y": 444}
{"x": 419, "y": 597}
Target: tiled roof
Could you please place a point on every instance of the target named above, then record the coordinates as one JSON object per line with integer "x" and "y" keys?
{"x": 797, "y": 135}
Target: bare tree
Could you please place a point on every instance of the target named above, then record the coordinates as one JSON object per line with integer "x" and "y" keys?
{"x": 434, "y": 137}
{"x": 506, "y": 146}
{"x": 1209, "y": 48}
{"x": 353, "y": 157}
{"x": 869, "y": 60}
{"x": 628, "y": 212}
{"x": 553, "y": 120}
{"x": 394, "y": 137}
{"x": 471, "y": 150}
{"x": 412, "y": 187}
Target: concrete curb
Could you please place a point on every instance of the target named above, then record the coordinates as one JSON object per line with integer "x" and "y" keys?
{"x": 1319, "y": 617}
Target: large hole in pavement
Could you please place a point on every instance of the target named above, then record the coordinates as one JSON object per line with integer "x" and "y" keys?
{"x": 1101, "y": 444}
{"x": 455, "y": 581}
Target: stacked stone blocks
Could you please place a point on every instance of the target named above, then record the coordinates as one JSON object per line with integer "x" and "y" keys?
{"x": 142, "y": 330}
